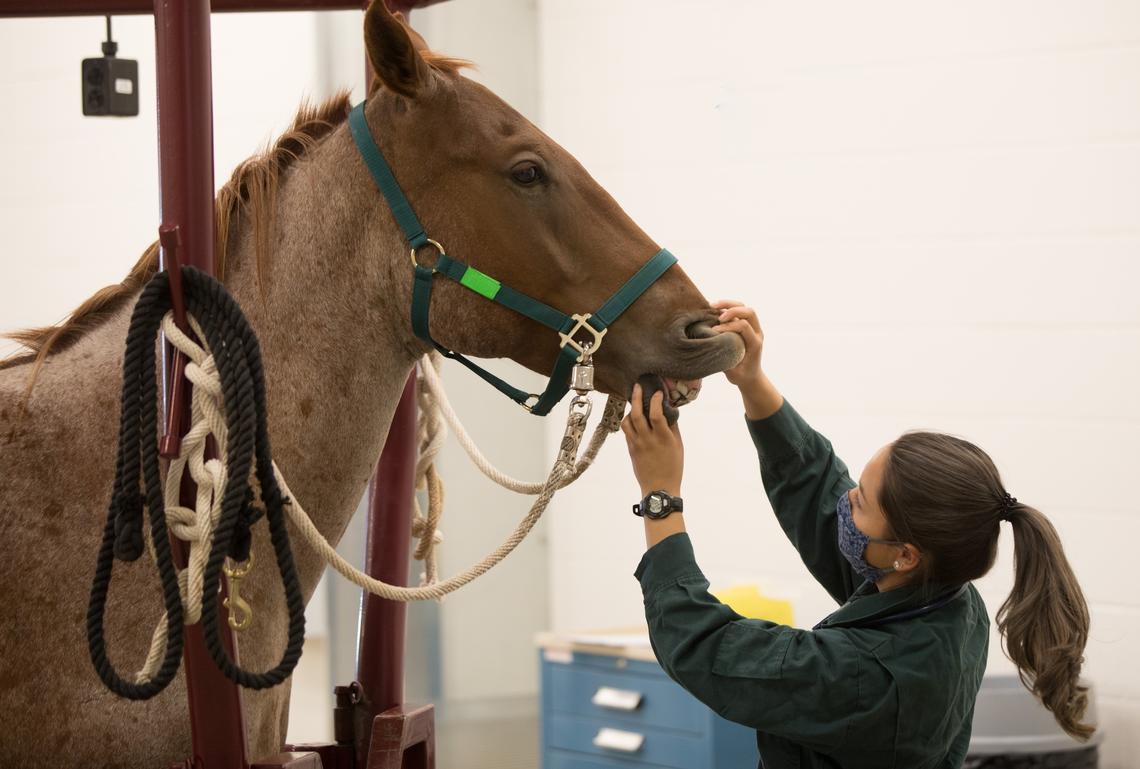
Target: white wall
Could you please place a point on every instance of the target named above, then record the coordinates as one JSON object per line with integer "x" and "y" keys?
{"x": 79, "y": 202}
{"x": 934, "y": 209}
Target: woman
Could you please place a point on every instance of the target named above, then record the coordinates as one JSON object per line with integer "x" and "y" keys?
{"x": 890, "y": 678}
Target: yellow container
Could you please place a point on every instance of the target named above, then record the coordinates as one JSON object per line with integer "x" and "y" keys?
{"x": 747, "y": 601}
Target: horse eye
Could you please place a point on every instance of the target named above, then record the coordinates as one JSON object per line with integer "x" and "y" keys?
{"x": 527, "y": 173}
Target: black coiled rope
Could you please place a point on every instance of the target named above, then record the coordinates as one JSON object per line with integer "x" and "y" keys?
{"x": 238, "y": 359}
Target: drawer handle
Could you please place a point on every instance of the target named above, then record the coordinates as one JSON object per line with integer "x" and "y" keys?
{"x": 616, "y": 699}
{"x": 615, "y": 739}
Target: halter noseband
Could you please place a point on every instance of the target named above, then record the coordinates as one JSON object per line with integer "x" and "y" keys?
{"x": 567, "y": 326}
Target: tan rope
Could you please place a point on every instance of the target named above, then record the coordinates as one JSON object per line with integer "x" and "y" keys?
{"x": 435, "y": 408}
{"x": 207, "y": 420}
{"x": 195, "y": 526}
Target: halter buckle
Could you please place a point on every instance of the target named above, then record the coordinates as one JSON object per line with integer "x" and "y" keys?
{"x": 568, "y": 338}
{"x": 429, "y": 242}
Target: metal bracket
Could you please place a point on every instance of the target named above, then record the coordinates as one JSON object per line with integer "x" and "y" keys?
{"x": 568, "y": 338}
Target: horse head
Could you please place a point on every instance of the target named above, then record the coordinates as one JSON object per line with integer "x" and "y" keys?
{"x": 506, "y": 199}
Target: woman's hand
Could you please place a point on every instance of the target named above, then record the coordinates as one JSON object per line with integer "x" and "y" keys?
{"x": 738, "y": 318}
{"x": 761, "y": 398}
{"x": 655, "y": 448}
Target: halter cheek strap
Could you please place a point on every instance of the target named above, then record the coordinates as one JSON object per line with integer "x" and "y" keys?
{"x": 568, "y": 327}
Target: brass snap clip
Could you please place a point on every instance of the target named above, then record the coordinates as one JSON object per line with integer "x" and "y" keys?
{"x": 241, "y": 613}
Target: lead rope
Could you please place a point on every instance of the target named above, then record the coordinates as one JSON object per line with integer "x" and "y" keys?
{"x": 197, "y": 526}
{"x": 239, "y": 384}
{"x": 435, "y": 409}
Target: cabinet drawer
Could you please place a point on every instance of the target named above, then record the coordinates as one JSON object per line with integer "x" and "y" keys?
{"x": 630, "y": 698}
{"x": 648, "y": 745}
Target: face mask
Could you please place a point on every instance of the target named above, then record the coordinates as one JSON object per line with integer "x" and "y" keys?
{"x": 853, "y": 543}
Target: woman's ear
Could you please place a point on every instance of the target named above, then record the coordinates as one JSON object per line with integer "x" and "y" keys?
{"x": 908, "y": 559}
{"x": 393, "y": 53}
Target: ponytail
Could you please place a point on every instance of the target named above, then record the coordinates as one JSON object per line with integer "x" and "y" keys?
{"x": 1045, "y": 621}
{"x": 945, "y": 495}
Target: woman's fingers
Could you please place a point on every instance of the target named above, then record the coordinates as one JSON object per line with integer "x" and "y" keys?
{"x": 740, "y": 326}
{"x": 657, "y": 412}
{"x": 741, "y": 312}
{"x": 636, "y": 415}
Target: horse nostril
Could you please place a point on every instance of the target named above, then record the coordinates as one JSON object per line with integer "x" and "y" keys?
{"x": 701, "y": 329}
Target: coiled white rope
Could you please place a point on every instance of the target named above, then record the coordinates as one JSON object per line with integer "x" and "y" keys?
{"x": 207, "y": 420}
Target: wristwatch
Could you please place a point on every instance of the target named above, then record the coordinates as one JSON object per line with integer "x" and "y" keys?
{"x": 658, "y": 504}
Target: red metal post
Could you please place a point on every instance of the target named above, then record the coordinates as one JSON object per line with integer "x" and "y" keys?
{"x": 186, "y": 171}
{"x": 380, "y": 661}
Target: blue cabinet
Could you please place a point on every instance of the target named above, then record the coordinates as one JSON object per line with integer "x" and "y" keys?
{"x": 603, "y": 711}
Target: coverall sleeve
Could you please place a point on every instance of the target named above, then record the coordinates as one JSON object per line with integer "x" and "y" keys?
{"x": 780, "y": 680}
{"x": 803, "y": 478}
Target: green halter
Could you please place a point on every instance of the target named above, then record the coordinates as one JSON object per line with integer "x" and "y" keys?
{"x": 567, "y": 326}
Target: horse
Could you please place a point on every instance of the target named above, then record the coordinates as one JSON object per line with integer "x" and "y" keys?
{"x": 314, "y": 257}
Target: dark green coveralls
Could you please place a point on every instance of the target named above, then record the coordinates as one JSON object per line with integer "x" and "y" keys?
{"x": 900, "y": 694}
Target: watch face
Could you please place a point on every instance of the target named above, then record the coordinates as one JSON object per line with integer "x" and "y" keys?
{"x": 655, "y": 503}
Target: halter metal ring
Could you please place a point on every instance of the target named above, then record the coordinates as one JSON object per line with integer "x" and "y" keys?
{"x": 527, "y": 403}
{"x": 429, "y": 242}
{"x": 568, "y": 338}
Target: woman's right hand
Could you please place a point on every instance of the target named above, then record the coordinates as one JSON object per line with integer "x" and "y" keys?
{"x": 740, "y": 319}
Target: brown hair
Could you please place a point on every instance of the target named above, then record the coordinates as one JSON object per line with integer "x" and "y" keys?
{"x": 944, "y": 495}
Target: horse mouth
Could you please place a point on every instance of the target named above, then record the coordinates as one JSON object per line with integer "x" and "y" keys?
{"x": 678, "y": 392}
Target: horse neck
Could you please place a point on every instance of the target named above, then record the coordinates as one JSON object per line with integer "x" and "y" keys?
{"x": 330, "y": 312}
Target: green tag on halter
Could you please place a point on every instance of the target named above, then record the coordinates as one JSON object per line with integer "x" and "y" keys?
{"x": 480, "y": 283}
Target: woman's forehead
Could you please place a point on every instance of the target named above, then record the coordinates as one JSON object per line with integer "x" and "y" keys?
{"x": 873, "y": 473}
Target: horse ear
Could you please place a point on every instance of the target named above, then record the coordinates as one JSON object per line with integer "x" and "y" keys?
{"x": 418, "y": 41}
{"x": 393, "y": 54}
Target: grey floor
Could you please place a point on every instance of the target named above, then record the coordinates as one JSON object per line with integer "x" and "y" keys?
{"x": 487, "y": 743}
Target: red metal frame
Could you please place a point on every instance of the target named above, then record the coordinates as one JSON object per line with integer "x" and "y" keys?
{"x": 125, "y": 7}
{"x": 186, "y": 236}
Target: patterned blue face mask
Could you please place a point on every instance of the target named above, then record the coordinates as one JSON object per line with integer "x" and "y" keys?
{"x": 853, "y": 543}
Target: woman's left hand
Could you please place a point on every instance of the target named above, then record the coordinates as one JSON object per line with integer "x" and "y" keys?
{"x": 655, "y": 448}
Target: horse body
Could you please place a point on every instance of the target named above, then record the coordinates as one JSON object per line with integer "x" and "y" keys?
{"x": 334, "y": 372}
{"x": 332, "y": 316}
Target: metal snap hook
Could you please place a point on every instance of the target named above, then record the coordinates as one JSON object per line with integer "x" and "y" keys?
{"x": 582, "y": 375}
{"x": 241, "y": 613}
{"x": 581, "y": 406}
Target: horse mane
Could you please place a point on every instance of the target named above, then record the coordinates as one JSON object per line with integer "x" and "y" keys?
{"x": 250, "y": 192}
